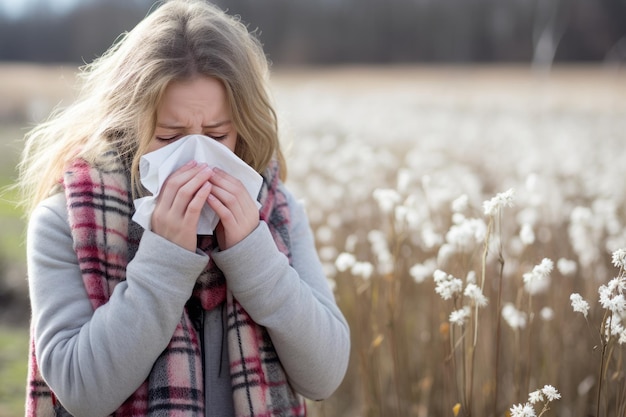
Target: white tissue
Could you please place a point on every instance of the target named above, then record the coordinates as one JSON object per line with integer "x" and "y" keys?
{"x": 155, "y": 167}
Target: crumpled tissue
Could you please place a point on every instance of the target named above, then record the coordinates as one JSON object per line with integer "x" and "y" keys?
{"x": 156, "y": 166}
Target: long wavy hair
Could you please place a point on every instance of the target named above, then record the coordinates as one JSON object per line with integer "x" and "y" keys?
{"x": 117, "y": 102}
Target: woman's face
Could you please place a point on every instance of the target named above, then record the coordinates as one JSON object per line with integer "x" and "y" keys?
{"x": 194, "y": 106}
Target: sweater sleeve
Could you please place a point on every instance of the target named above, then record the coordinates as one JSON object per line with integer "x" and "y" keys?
{"x": 94, "y": 360}
{"x": 294, "y": 302}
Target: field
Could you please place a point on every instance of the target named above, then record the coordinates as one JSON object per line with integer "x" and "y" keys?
{"x": 438, "y": 267}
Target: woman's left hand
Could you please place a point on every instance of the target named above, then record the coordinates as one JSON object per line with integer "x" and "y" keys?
{"x": 237, "y": 211}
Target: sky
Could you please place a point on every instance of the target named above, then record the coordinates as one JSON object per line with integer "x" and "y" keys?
{"x": 17, "y": 8}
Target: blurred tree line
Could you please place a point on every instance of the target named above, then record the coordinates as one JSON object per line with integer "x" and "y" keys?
{"x": 353, "y": 31}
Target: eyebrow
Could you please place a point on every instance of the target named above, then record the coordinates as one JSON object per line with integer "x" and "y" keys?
{"x": 211, "y": 126}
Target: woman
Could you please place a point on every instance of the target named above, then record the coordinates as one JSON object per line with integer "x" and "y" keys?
{"x": 163, "y": 321}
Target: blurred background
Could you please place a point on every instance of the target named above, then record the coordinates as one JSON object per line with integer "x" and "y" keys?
{"x": 299, "y": 32}
{"x": 429, "y": 101}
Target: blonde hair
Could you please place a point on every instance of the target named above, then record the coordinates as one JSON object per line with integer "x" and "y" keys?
{"x": 120, "y": 92}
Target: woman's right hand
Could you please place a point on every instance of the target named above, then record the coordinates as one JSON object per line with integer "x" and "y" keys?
{"x": 179, "y": 204}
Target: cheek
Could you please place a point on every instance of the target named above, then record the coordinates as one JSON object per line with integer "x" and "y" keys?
{"x": 231, "y": 143}
{"x": 154, "y": 145}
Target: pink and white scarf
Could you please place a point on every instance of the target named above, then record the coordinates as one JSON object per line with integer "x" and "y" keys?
{"x": 99, "y": 210}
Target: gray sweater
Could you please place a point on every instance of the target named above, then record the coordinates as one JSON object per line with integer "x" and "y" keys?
{"x": 94, "y": 360}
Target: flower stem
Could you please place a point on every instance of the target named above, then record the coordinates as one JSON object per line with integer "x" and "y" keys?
{"x": 498, "y": 336}
{"x": 602, "y": 359}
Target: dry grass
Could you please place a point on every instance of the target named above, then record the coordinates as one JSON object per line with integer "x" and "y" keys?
{"x": 30, "y": 91}
{"x": 429, "y": 135}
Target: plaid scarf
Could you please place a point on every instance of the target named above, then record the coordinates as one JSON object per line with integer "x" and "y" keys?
{"x": 99, "y": 210}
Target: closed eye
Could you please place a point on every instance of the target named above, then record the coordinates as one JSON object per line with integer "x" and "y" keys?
{"x": 168, "y": 138}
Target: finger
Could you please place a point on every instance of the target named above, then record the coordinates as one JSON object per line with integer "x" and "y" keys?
{"x": 225, "y": 196}
{"x": 224, "y": 179}
{"x": 234, "y": 227}
{"x": 180, "y": 226}
{"x": 194, "y": 208}
{"x": 223, "y": 212}
{"x": 230, "y": 191}
{"x": 173, "y": 181}
{"x": 187, "y": 168}
{"x": 187, "y": 191}
{"x": 176, "y": 180}
{"x": 241, "y": 206}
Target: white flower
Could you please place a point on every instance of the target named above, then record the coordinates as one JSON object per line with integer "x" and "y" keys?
{"x": 447, "y": 285}
{"x": 458, "y": 316}
{"x": 527, "y": 235}
{"x": 471, "y": 277}
{"x": 514, "y": 318}
{"x": 439, "y": 275}
{"x": 613, "y": 327}
{"x": 619, "y": 258}
{"x": 404, "y": 179}
{"x": 537, "y": 280}
{"x": 616, "y": 304}
{"x": 550, "y": 392}
{"x": 566, "y": 266}
{"x": 458, "y": 218}
{"x": 419, "y": 272}
{"x": 547, "y": 394}
{"x": 345, "y": 261}
{"x": 535, "y": 397}
{"x": 385, "y": 261}
{"x": 547, "y": 313}
{"x": 446, "y": 251}
{"x": 523, "y": 410}
{"x": 460, "y": 204}
{"x": 328, "y": 253}
{"x": 324, "y": 234}
{"x": 448, "y": 289}
{"x": 467, "y": 234}
{"x": 605, "y": 295}
{"x": 611, "y": 297}
{"x": 413, "y": 217}
{"x": 430, "y": 238}
{"x": 584, "y": 226}
{"x": 531, "y": 182}
{"x": 544, "y": 268}
{"x": 351, "y": 242}
{"x": 617, "y": 284}
{"x": 362, "y": 269}
{"x": 387, "y": 199}
{"x": 401, "y": 213}
{"x": 407, "y": 215}
{"x": 474, "y": 293}
{"x": 501, "y": 200}
{"x": 579, "y": 304}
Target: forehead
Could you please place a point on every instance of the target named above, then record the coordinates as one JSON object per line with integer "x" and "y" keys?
{"x": 200, "y": 94}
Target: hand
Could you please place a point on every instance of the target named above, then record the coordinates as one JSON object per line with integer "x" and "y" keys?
{"x": 180, "y": 202}
{"x": 237, "y": 211}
